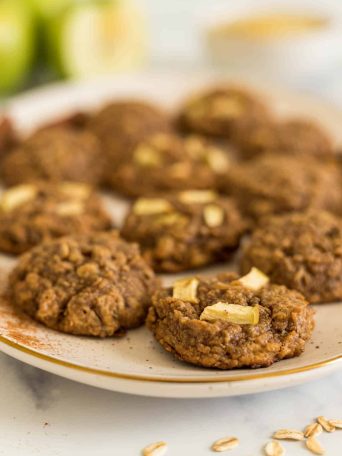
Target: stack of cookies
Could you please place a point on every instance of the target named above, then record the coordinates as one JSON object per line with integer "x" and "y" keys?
{"x": 222, "y": 170}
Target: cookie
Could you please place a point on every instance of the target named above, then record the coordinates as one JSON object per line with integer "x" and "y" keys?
{"x": 292, "y": 137}
{"x": 92, "y": 285}
{"x": 226, "y": 323}
{"x": 220, "y": 110}
{"x": 274, "y": 185}
{"x": 121, "y": 124}
{"x": 302, "y": 251}
{"x": 167, "y": 162}
{"x": 185, "y": 230}
{"x": 8, "y": 136}
{"x": 34, "y": 213}
{"x": 55, "y": 154}
{"x": 77, "y": 120}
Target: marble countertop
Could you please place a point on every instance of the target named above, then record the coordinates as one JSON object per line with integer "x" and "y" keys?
{"x": 42, "y": 414}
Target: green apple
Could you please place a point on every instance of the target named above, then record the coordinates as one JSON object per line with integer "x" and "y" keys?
{"x": 45, "y": 9}
{"x": 16, "y": 43}
{"x": 96, "y": 37}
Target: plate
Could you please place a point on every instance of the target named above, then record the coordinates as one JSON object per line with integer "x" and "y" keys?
{"x": 135, "y": 363}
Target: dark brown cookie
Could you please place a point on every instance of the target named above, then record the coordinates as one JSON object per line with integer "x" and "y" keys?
{"x": 122, "y": 124}
{"x": 186, "y": 230}
{"x": 167, "y": 162}
{"x": 55, "y": 154}
{"x": 77, "y": 120}
{"x": 34, "y": 213}
{"x": 259, "y": 326}
{"x": 293, "y": 137}
{"x": 274, "y": 185}
{"x": 8, "y": 136}
{"x": 220, "y": 110}
{"x": 94, "y": 285}
{"x": 302, "y": 251}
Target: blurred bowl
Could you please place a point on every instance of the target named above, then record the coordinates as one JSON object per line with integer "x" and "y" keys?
{"x": 283, "y": 41}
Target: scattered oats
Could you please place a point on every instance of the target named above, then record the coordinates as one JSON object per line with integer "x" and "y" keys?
{"x": 225, "y": 444}
{"x": 314, "y": 446}
{"x": 186, "y": 289}
{"x": 288, "y": 434}
{"x": 274, "y": 448}
{"x": 213, "y": 215}
{"x": 254, "y": 280}
{"x": 325, "y": 424}
{"x": 155, "y": 449}
{"x": 336, "y": 423}
{"x": 233, "y": 313}
{"x": 312, "y": 430}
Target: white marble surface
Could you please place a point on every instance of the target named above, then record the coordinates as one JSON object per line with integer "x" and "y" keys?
{"x": 41, "y": 414}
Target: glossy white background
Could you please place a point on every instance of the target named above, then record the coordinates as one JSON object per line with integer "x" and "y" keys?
{"x": 41, "y": 414}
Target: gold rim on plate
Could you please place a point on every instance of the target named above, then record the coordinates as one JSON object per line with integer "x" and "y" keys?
{"x": 137, "y": 377}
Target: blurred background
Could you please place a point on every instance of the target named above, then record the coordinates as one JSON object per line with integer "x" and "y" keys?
{"x": 289, "y": 42}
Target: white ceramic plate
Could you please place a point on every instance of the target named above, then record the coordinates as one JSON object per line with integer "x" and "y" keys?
{"x": 135, "y": 363}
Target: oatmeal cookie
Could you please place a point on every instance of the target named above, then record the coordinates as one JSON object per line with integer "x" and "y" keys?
{"x": 292, "y": 137}
{"x": 219, "y": 111}
{"x": 77, "y": 120}
{"x": 185, "y": 230}
{"x": 34, "y": 213}
{"x": 167, "y": 162}
{"x": 122, "y": 124}
{"x": 93, "y": 285}
{"x": 8, "y": 136}
{"x": 302, "y": 251}
{"x": 226, "y": 323}
{"x": 55, "y": 154}
{"x": 273, "y": 185}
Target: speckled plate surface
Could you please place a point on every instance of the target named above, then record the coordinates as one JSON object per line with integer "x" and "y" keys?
{"x": 135, "y": 363}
